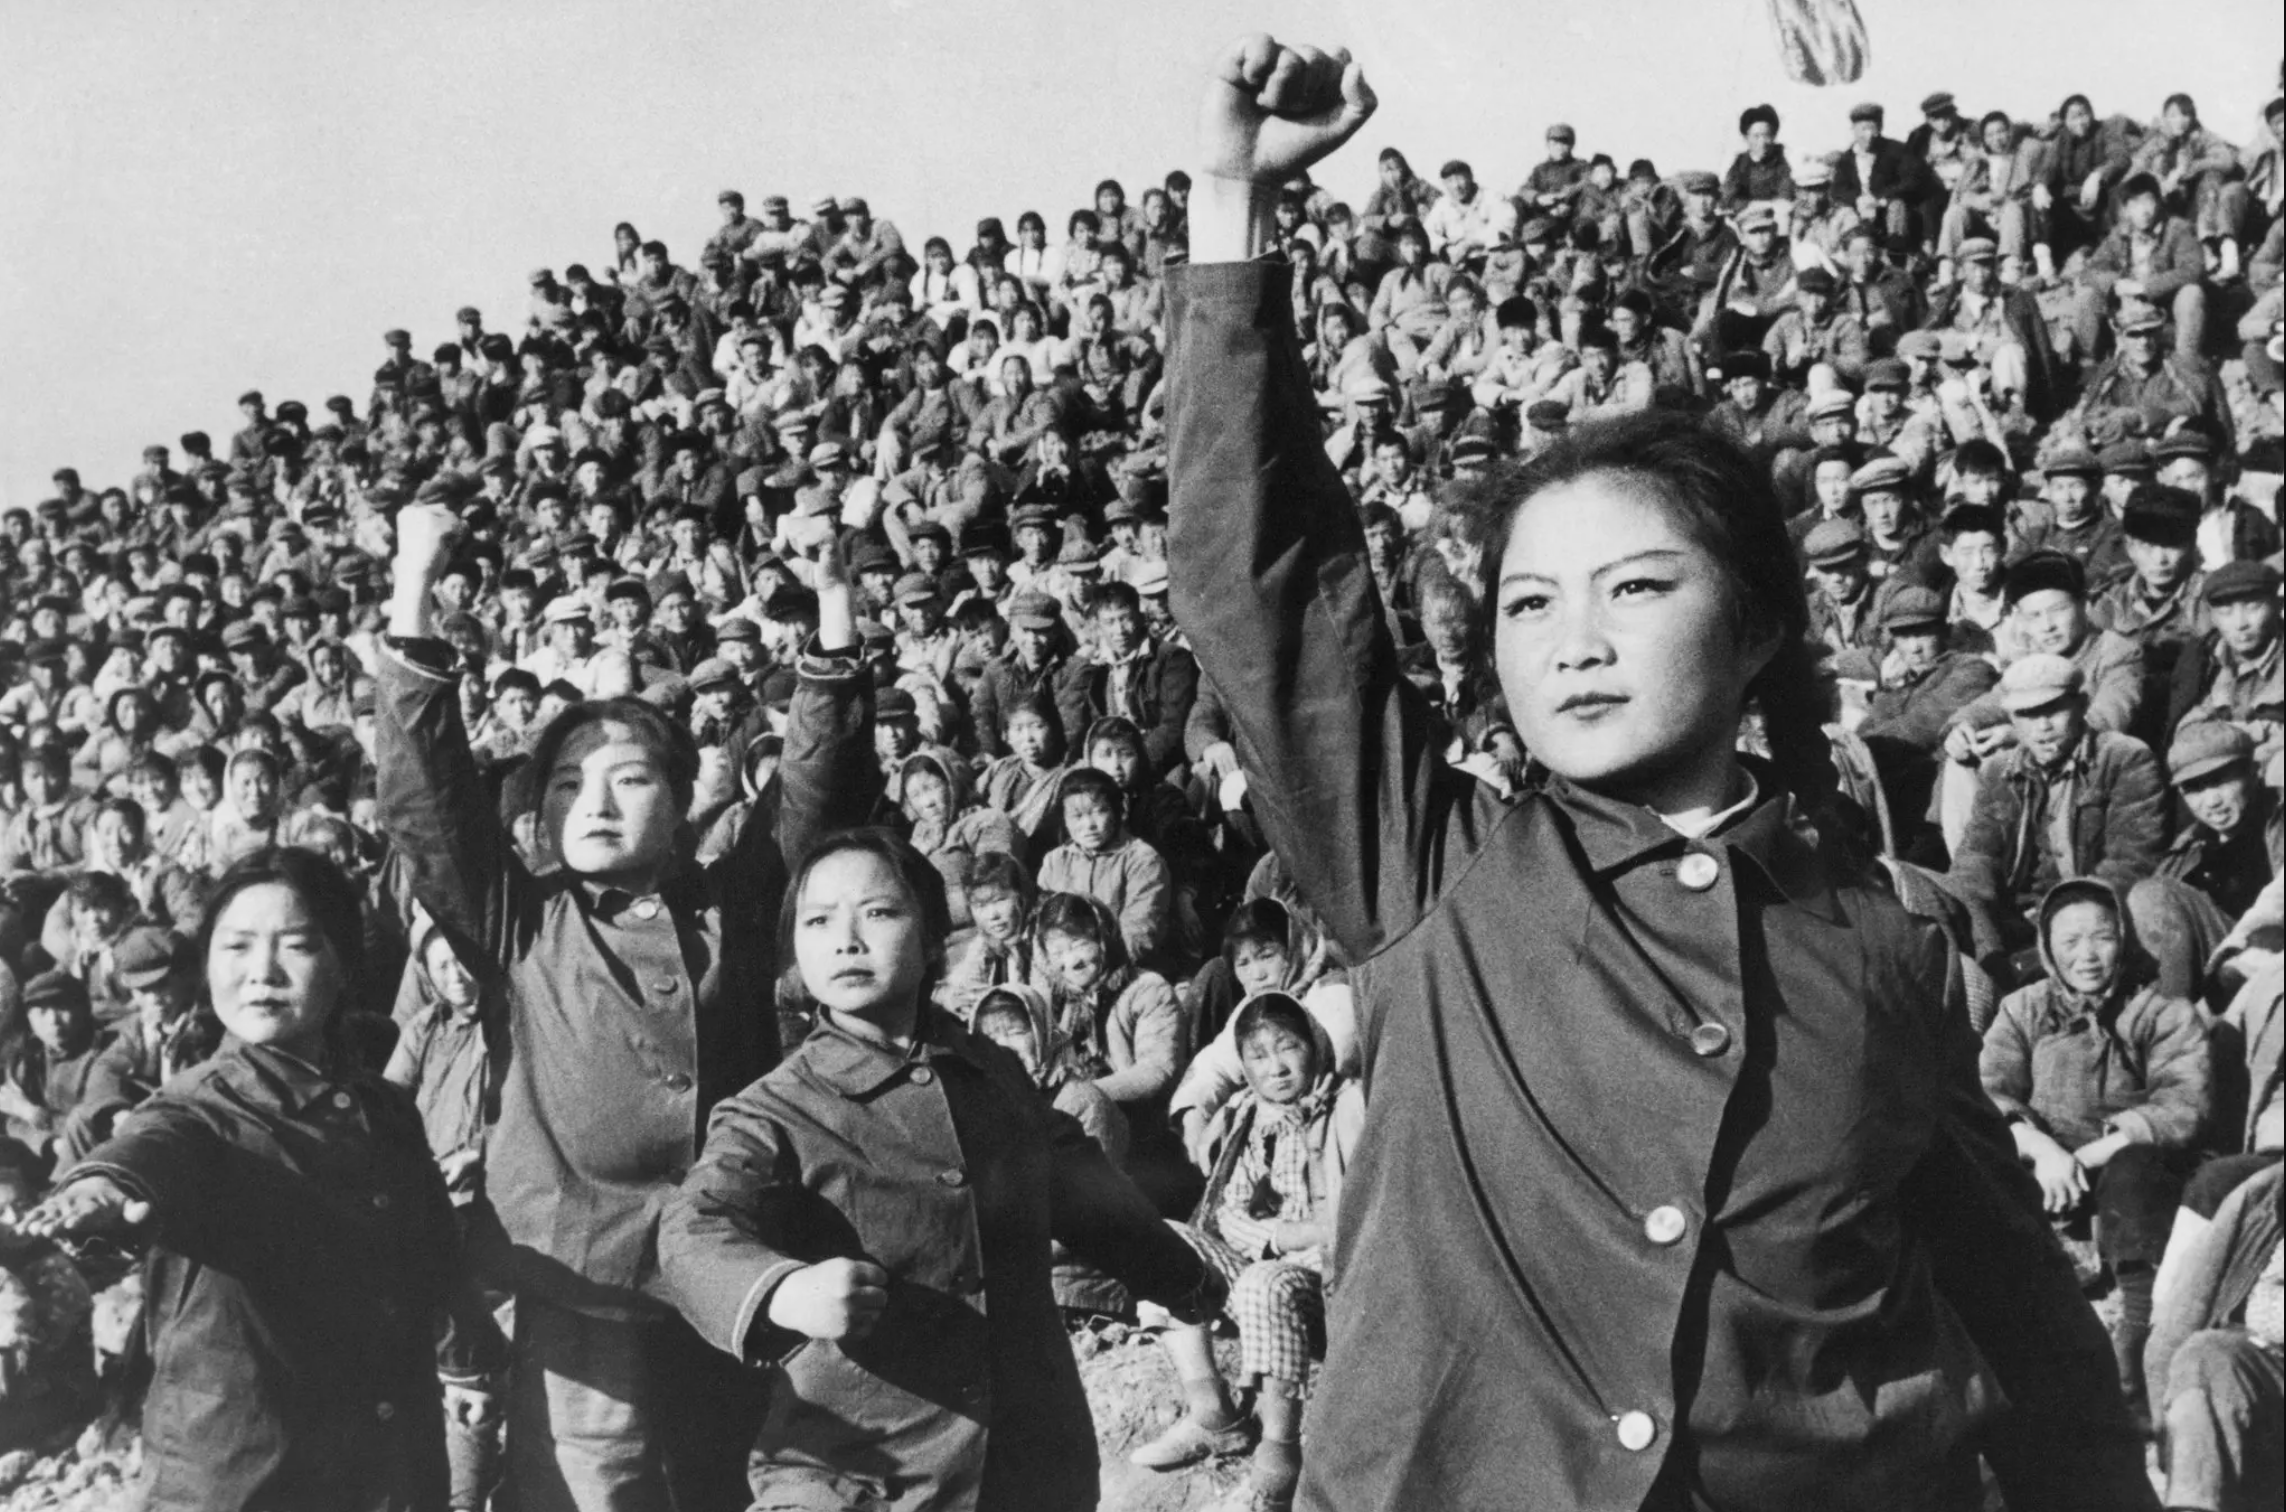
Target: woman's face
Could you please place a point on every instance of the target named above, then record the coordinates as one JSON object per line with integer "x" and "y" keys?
{"x": 1118, "y": 760}
{"x": 609, "y": 804}
{"x": 1616, "y": 642}
{"x": 997, "y": 915}
{"x": 1077, "y": 960}
{"x": 1277, "y": 1062}
{"x": 271, "y": 972}
{"x": 1028, "y": 737}
{"x": 452, "y": 979}
{"x": 1259, "y": 965}
{"x": 2084, "y": 939}
{"x": 857, "y": 937}
{"x": 254, "y": 788}
{"x": 927, "y": 796}
{"x": 1759, "y": 136}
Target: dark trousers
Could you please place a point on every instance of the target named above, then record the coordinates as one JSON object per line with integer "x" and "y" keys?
{"x": 2135, "y": 1197}
{"x": 610, "y": 1416}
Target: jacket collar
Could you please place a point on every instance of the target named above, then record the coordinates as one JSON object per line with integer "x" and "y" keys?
{"x": 858, "y": 1068}
{"x": 1615, "y": 836}
{"x": 273, "y": 1076}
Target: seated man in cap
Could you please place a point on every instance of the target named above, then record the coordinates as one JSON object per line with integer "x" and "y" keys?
{"x": 1879, "y": 177}
{"x": 1944, "y": 147}
{"x": 1844, "y": 611}
{"x": 1901, "y": 545}
{"x": 1993, "y": 199}
{"x": 1754, "y": 288}
{"x": 2233, "y": 675}
{"x": 1553, "y": 186}
{"x": 2065, "y": 800}
{"x": 2003, "y": 326}
{"x": 1683, "y": 268}
{"x": 1819, "y": 224}
{"x": 569, "y": 653}
{"x": 1460, "y": 222}
{"x": 1817, "y": 345}
{"x": 2047, "y": 596}
{"x": 2073, "y": 519}
{"x": 2151, "y": 259}
{"x": 2230, "y": 529}
{"x": 44, "y": 1072}
{"x": 1924, "y": 682}
{"x": 159, "y": 1037}
{"x": 1885, "y": 299}
{"x": 2161, "y": 604}
{"x": 1136, "y": 676}
{"x": 2219, "y": 863}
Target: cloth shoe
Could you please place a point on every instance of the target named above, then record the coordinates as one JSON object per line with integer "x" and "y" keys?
{"x": 1187, "y": 1442}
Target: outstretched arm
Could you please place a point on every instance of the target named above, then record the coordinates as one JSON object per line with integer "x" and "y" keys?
{"x": 1270, "y": 571}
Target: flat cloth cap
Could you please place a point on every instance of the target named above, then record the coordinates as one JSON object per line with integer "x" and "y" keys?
{"x": 1834, "y": 542}
{"x": 2208, "y": 747}
{"x": 2235, "y": 582}
{"x": 1913, "y": 608}
{"x": 2037, "y": 681}
{"x": 2043, "y": 572}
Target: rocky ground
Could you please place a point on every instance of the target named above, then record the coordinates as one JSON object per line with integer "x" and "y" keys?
{"x": 85, "y": 1467}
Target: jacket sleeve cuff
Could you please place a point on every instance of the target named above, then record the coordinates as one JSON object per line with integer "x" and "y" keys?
{"x": 816, "y": 664}
{"x": 2134, "y": 1126}
{"x": 773, "y": 1343}
{"x": 421, "y": 654}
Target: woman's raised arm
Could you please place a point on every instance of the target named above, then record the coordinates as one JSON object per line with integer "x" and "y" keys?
{"x": 1268, "y": 559}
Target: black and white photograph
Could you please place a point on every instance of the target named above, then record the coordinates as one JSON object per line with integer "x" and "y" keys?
{"x": 1177, "y": 756}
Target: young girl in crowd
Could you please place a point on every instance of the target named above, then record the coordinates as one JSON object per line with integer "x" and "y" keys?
{"x": 2108, "y": 1087}
{"x": 1024, "y": 783}
{"x": 1677, "y": 1185}
{"x": 627, "y": 981}
{"x": 871, "y": 1224}
{"x": 998, "y": 947}
{"x": 1099, "y": 858}
{"x": 947, "y": 824}
{"x": 302, "y": 1247}
{"x": 1277, "y": 1156}
{"x": 1266, "y": 948}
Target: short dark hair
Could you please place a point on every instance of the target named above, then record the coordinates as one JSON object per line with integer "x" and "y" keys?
{"x": 919, "y": 876}
{"x": 668, "y": 739}
{"x": 332, "y": 899}
{"x": 1085, "y": 782}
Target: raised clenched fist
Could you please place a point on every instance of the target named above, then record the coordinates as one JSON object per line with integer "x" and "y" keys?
{"x": 1271, "y": 110}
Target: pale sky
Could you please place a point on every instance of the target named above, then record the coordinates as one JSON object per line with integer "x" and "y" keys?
{"x": 202, "y": 196}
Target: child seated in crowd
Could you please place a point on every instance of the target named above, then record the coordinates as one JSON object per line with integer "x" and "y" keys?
{"x": 1101, "y": 860}
{"x": 1277, "y": 1154}
{"x": 2108, "y": 1086}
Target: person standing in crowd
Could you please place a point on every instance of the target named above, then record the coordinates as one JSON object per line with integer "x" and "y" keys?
{"x": 611, "y": 1396}
{"x": 302, "y": 1248}
{"x": 874, "y": 1217}
{"x": 1640, "y": 591}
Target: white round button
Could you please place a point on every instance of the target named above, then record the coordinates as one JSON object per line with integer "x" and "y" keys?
{"x": 1698, "y": 871}
{"x": 1665, "y": 1225}
{"x": 1636, "y": 1431}
{"x": 647, "y": 909}
{"x": 341, "y": 1099}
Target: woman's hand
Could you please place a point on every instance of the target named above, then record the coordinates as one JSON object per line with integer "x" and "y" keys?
{"x": 834, "y": 1299}
{"x": 837, "y": 598}
{"x": 472, "y": 1406}
{"x": 426, "y": 534}
{"x": 93, "y": 1207}
{"x": 2063, "y": 1180}
{"x": 1269, "y": 112}
{"x": 2097, "y": 1153}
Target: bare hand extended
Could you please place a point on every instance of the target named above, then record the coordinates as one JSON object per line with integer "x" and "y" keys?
{"x": 1270, "y": 110}
{"x": 93, "y": 1207}
{"x": 833, "y": 1299}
